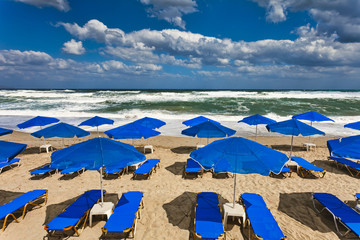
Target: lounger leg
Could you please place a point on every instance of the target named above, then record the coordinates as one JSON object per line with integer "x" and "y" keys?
{"x": 3, "y": 228}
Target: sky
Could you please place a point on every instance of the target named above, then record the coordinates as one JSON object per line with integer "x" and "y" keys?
{"x": 180, "y": 44}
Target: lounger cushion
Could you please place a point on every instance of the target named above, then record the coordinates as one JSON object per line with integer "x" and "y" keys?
{"x": 346, "y": 162}
{"x": 345, "y": 213}
{"x": 208, "y": 216}
{"x": 252, "y": 199}
{"x": 261, "y": 219}
{"x": 285, "y": 170}
{"x": 112, "y": 170}
{"x": 12, "y": 161}
{"x": 20, "y": 202}
{"x": 307, "y": 165}
{"x": 124, "y": 213}
{"x": 147, "y": 166}
{"x": 129, "y": 201}
{"x": 71, "y": 170}
{"x": 75, "y": 211}
{"x": 192, "y": 166}
{"x": 357, "y": 195}
{"x": 120, "y": 221}
{"x": 42, "y": 170}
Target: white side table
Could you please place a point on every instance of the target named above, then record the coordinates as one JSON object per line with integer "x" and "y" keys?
{"x": 199, "y": 146}
{"x": 148, "y": 147}
{"x": 237, "y": 211}
{"x": 46, "y": 146}
{"x": 309, "y": 146}
{"x": 104, "y": 208}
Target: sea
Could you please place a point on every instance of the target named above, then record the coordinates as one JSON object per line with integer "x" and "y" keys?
{"x": 175, "y": 106}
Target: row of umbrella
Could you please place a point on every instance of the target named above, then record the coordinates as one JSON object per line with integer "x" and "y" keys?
{"x": 141, "y": 128}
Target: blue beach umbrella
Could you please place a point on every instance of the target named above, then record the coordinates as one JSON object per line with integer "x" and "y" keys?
{"x": 197, "y": 120}
{"x": 4, "y": 131}
{"x": 95, "y": 154}
{"x": 8, "y": 150}
{"x": 312, "y": 116}
{"x": 38, "y": 121}
{"x": 208, "y": 130}
{"x": 62, "y": 130}
{"x": 354, "y": 125}
{"x": 345, "y": 147}
{"x": 96, "y": 122}
{"x": 131, "y": 131}
{"x": 293, "y": 127}
{"x": 148, "y": 122}
{"x": 256, "y": 120}
{"x": 240, "y": 155}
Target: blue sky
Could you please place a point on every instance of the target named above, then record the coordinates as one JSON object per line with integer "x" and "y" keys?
{"x": 206, "y": 44}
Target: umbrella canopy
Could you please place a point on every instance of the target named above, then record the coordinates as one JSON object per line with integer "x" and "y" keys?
{"x": 4, "y": 131}
{"x": 208, "y": 129}
{"x": 95, "y": 154}
{"x": 257, "y": 119}
{"x": 239, "y": 155}
{"x": 345, "y": 147}
{"x": 8, "y": 150}
{"x": 312, "y": 116}
{"x": 131, "y": 131}
{"x": 62, "y": 130}
{"x": 38, "y": 121}
{"x": 293, "y": 127}
{"x": 354, "y": 125}
{"x": 148, "y": 122}
{"x": 96, "y": 121}
{"x": 197, "y": 120}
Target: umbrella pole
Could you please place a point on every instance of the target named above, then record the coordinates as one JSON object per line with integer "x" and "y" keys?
{"x": 256, "y": 133}
{"x": 234, "y": 190}
{"x": 63, "y": 142}
{"x": 101, "y": 186}
{"x": 97, "y": 129}
{"x": 291, "y": 148}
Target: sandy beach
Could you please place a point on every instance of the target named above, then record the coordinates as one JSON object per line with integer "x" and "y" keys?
{"x": 169, "y": 199}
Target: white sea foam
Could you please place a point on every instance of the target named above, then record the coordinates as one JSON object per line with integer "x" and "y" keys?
{"x": 75, "y": 106}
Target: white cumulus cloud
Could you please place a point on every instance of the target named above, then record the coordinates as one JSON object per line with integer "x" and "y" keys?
{"x": 61, "y": 5}
{"x": 73, "y": 47}
{"x": 336, "y": 16}
{"x": 171, "y": 10}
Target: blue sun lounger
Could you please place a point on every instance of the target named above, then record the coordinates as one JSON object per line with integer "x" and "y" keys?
{"x": 43, "y": 170}
{"x": 119, "y": 170}
{"x": 262, "y": 222}
{"x": 208, "y": 222}
{"x": 306, "y": 167}
{"x": 73, "y": 215}
{"x": 340, "y": 211}
{"x": 9, "y": 163}
{"x": 74, "y": 169}
{"x": 147, "y": 168}
{"x": 29, "y": 198}
{"x": 126, "y": 213}
{"x": 193, "y": 167}
{"x": 285, "y": 171}
{"x": 348, "y": 164}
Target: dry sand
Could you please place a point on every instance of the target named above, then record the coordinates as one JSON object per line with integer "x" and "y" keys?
{"x": 169, "y": 198}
